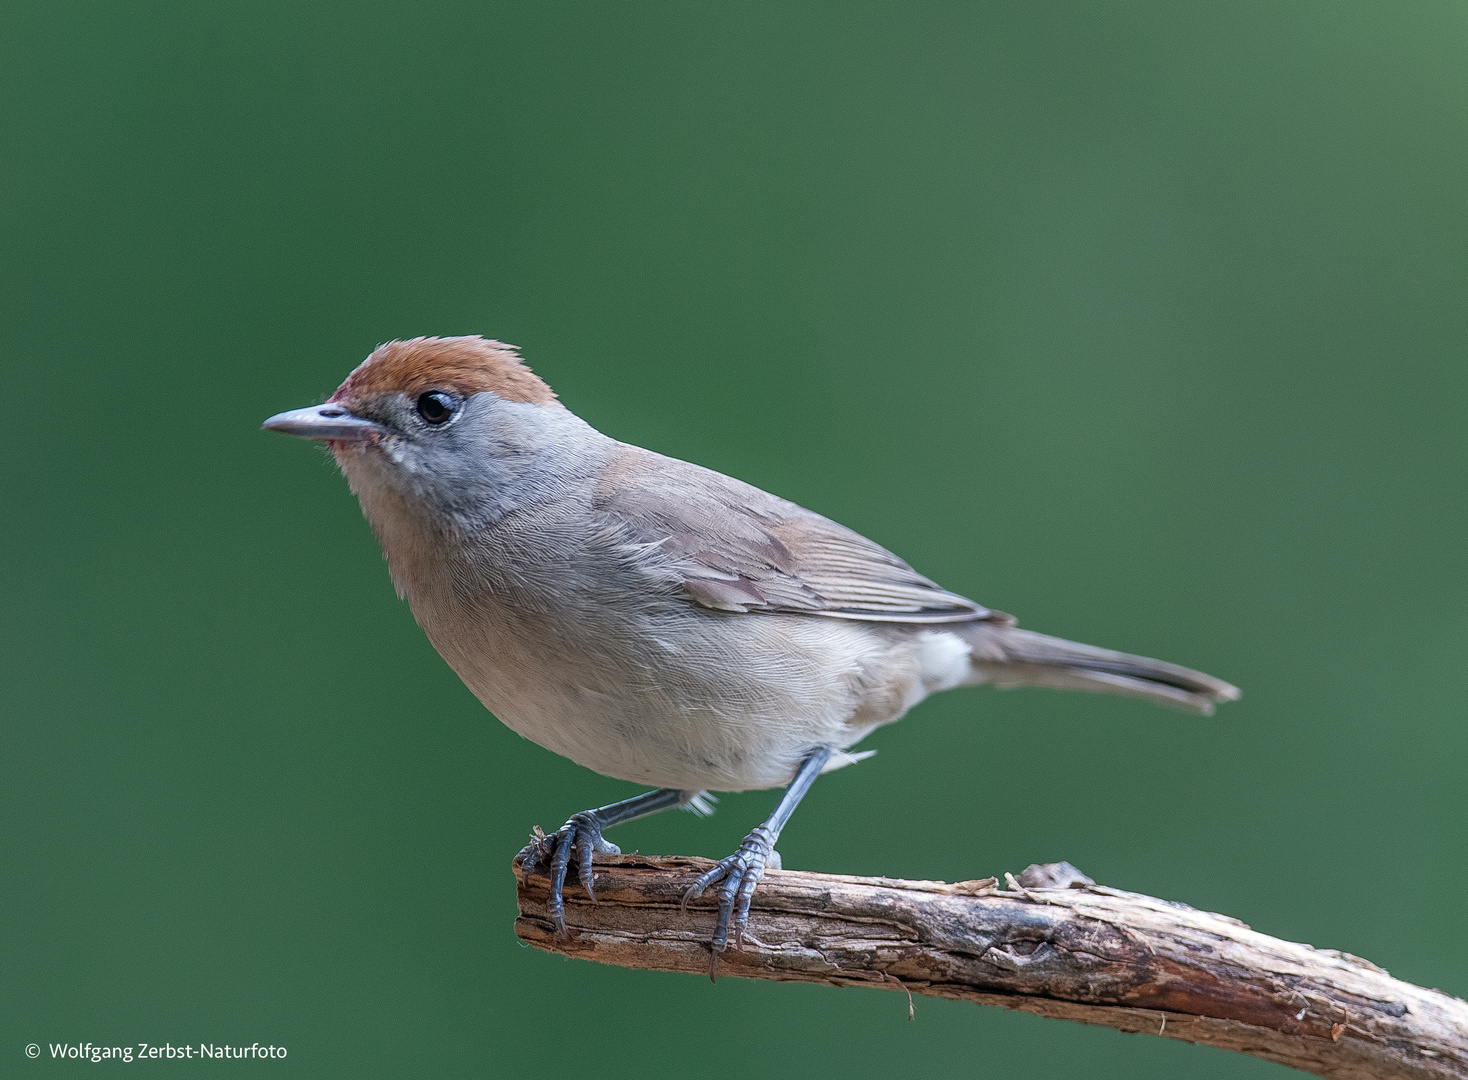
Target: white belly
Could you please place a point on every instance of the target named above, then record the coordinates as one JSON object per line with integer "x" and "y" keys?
{"x": 705, "y": 701}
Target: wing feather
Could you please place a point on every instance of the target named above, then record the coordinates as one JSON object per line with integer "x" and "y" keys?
{"x": 728, "y": 546}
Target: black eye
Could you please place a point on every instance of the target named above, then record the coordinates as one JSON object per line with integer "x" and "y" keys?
{"x": 436, "y": 406}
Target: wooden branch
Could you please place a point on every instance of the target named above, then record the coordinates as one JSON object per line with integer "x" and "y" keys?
{"x": 1051, "y": 943}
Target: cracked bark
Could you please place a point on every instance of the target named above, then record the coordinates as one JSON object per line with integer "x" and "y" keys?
{"x": 1051, "y": 943}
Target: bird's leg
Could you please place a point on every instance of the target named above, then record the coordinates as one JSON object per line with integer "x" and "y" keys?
{"x": 581, "y": 836}
{"x": 742, "y": 871}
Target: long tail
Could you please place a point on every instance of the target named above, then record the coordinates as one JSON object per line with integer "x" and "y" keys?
{"x": 1005, "y": 656}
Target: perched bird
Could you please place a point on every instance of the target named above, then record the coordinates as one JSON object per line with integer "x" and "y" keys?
{"x": 653, "y": 620}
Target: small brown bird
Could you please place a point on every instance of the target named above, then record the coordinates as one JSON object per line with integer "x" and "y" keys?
{"x": 653, "y": 620}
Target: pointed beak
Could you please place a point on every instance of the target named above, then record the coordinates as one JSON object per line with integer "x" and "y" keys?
{"x": 326, "y": 421}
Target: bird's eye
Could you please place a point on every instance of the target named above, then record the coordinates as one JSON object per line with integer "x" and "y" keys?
{"x": 436, "y": 406}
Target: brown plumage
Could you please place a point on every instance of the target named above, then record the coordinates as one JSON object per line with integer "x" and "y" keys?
{"x": 464, "y": 365}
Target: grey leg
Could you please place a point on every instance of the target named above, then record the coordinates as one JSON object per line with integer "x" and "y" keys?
{"x": 581, "y": 835}
{"x": 742, "y": 871}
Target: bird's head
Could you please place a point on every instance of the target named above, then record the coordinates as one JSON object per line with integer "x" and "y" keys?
{"x": 456, "y": 424}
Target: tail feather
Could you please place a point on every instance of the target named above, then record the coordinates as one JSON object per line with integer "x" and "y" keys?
{"x": 1005, "y": 656}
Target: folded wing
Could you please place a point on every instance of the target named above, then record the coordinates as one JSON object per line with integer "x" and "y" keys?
{"x": 728, "y": 546}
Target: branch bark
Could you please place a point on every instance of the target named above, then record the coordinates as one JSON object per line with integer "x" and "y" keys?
{"x": 1051, "y": 943}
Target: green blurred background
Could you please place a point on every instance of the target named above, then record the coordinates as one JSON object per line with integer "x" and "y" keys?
{"x": 1143, "y": 321}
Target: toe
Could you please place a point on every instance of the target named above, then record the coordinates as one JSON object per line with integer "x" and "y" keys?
{"x": 705, "y": 879}
{"x": 742, "y": 901}
{"x": 727, "y": 896}
{"x": 556, "y": 903}
{"x": 584, "y": 848}
{"x": 531, "y": 854}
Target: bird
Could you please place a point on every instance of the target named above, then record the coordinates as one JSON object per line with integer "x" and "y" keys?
{"x": 654, "y": 620}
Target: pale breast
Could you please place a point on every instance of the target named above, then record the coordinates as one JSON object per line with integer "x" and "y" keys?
{"x": 570, "y": 643}
{"x": 694, "y": 701}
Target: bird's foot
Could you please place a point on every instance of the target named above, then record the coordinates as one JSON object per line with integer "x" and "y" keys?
{"x": 581, "y": 836}
{"x": 740, "y": 873}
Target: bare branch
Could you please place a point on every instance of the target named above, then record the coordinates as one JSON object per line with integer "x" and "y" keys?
{"x": 1052, "y": 943}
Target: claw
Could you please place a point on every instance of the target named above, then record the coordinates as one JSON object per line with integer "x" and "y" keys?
{"x": 740, "y": 874}
{"x": 581, "y": 836}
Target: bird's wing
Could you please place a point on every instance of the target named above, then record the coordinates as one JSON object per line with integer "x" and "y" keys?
{"x": 731, "y": 547}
